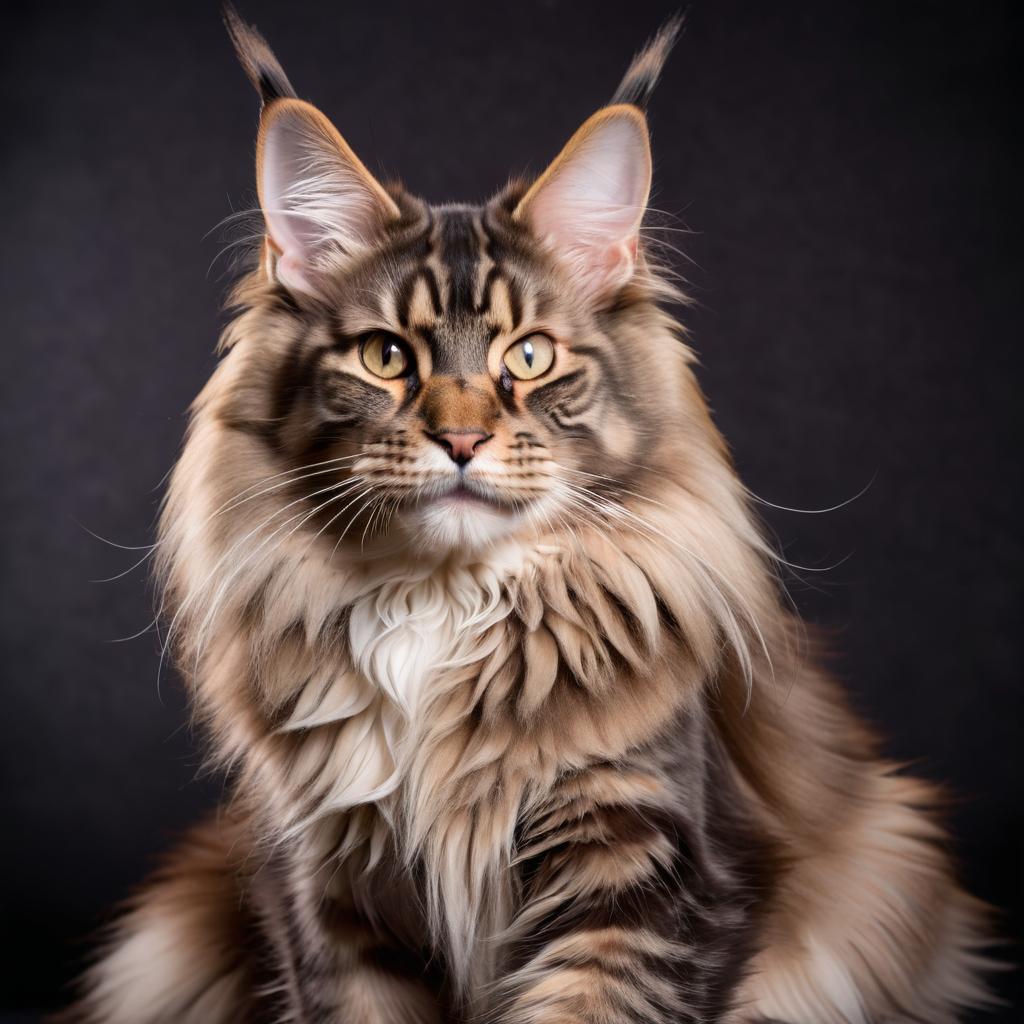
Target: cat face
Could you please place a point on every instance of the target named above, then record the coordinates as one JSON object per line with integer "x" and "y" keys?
{"x": 447, "y": 377}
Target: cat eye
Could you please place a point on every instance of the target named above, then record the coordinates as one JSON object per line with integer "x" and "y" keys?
{"x": 530, "y": 357}
{"x": 385, "y": 355}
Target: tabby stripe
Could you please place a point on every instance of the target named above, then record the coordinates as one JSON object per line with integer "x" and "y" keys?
{"x": 515, "y": 301}
{"x": 498, "y": 254}
{"x": 296, "y": 373}
{"x": 484, "y": 306}
{"x": 460, "y": 252}
{"x": 403, "y": 300}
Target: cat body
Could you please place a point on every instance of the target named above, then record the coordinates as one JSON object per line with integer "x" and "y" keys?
{"x": 476, "y": 615}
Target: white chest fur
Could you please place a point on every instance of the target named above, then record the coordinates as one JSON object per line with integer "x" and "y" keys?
{"x": 404, "y": 631}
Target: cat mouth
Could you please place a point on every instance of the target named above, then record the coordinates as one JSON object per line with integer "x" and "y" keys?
{"x": 465, "y": 495}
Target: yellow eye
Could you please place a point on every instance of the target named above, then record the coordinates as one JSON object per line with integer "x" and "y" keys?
{"x": 530, "y": 357}
{"x": 385, "y": 355}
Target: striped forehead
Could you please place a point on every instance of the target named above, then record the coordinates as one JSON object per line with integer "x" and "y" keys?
{"x": 458, "y": 290}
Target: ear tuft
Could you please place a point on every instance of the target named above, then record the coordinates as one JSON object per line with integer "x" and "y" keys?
{"x": 645, "y": 69}
{"x": 257, "y": 59}
{"x": 320, "y": 202}
{"x": 588, "y": 205}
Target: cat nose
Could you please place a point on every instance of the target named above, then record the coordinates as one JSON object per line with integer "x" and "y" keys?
{"x": 461, "y": 445}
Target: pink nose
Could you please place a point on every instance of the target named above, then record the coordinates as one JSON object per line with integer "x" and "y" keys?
{"x": 461, "y": 445}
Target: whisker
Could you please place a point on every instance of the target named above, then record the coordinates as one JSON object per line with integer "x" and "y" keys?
{"x": 773, "y": 554}
{"x": 197, "y": 592}
{"x": 815, "y": 511}
{"x": 142, "y": 561}
{"x": 114, "y": 544}
{"x": 708, "y": 572}
{"x": 303, "y": 516}
{"x": 341, "y": 536}
{"x": 331, "y": 464}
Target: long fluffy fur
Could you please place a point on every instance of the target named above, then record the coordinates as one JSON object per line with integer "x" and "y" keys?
{"x": 586, "y": 771}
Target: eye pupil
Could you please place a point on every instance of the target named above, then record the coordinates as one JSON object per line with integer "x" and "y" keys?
{"x": 530, "y": 357}
{"x": 384, "y": 356}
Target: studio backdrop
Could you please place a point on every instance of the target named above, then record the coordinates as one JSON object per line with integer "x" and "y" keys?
{"x": 839, "y": 185}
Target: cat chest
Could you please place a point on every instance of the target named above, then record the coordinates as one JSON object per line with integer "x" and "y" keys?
{"x": 365, "y": 727}
{"x": 400, "y": 650}
{"x": 403, "y": 636}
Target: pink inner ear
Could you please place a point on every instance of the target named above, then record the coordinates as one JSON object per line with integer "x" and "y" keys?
{"x": 318, "y": 200}
{"x": 590, "y": 203}
{"x": 292, "y": 235}
{"x": 281, "y": 169}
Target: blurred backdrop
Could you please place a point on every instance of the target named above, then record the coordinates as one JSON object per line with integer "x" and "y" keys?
{"x": 843, "y": 182}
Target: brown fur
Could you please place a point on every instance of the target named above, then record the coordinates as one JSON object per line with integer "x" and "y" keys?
{"x": 577, "y": 766}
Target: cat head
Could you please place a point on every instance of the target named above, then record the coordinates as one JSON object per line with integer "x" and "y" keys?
{"x": 445, "y": 377}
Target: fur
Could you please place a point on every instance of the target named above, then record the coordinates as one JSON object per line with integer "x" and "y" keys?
{"x": 533, "y": 737}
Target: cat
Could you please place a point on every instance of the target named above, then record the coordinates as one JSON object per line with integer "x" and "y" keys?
{"x": 474, "y": 610}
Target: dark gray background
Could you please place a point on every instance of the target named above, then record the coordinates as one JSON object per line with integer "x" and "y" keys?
{"x": 851, "y": 175}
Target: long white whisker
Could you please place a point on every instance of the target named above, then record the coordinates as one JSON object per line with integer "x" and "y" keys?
{"x": 774, "y": 554}
{"x": 303, "y": 516}
{"x": 334, "y": 518}
{"x": 131, "y": 568}
{"x": 114, "y": 544}
{"x": 229, "y": 505}
{"x": 331, "y": 464}
{"x": 628, "y": 517}
{"x": 815, "y": 511}
{"x": 198, "y": 590}
{"x": 377, "y": 508}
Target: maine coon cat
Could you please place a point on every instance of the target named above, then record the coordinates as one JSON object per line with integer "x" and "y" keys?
{"x": 518, "y": 725}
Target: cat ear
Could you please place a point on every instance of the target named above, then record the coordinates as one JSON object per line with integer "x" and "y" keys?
{"x": 319, "y": 201}
{"x": 587, "y": 206}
